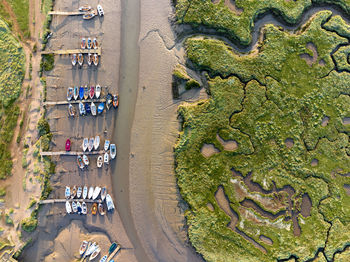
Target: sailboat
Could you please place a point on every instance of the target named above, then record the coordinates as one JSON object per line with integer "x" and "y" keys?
{"x": 96, "y": 59}
{"x": 93, "y": 109}
{"x": 98, "y": 90}
{"x": 89, "y": 43}
{"x": 90, "y": 59}
{"x": 68, "y": 207}
{"x": 83, "y": 43}
{"x": 96, "y": 142}
{"x": 79, "y": 191}
{"x": 96, "y": 193}
{"x": 91, "y": 191}
{"x": 94, "y": 43}
{"x": 85, "y": 143}
{"x": 85, "y": 191}
{"x": 74, "y": 207}
{"x": 91, "y": 144}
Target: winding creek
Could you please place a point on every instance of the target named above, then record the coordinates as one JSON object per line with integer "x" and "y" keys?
{"x": 128, "y": 87}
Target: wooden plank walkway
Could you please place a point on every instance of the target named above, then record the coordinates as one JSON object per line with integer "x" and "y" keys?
{"x": 53, "y": 103}
{"x": 98, "y": 51}
{"x": 65, "y": 13}
{"x": 53, "y": 201}
{"x": 71, "y": 153}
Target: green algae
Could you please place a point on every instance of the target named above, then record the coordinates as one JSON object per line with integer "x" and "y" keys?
{"x": 260, "y": 100}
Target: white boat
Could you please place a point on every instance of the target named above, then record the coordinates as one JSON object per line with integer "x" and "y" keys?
{"x": 101, "y": 209}
{"x": 85, "y": 143}
{"x": 96, "y": 192}
{"x": 84, "y": 245}
{"x": 80, "y": 59}
{"x": 74, "y": 59}
{"x": 96, "y": 142}
{"x": 74, "y": 207}
{"x": 68, "y": 208}
{"x": 106, "y": 145}
{"x": 113, "y": 151}
{"x": 91, "y": 249}
{"x": 106, "y": 158}
{"x": 71, "y": 110}
{"x": 69, "y": 93}
{"x": 82, "y": 108}
{"x": 74, "y": 192}
{"x": 98, "y": 90}
{"x": 104, "y": 258}
{"x": 100, "y": 10}
{"x": 89, "y": 59}
{"x": 95, "y": 253}
{"x": 84, "y": 208}
{"x": 96, "y": 59}
{"x": 85, "y": 8}
{"x": 86, "y": 160}
{"x": 85, "y": 191}
{"x": 79, "y": 191}
{"x": 93, "y": 109}
{"x": 99, "y": 161}
{"x": 91, "y": 191}
{"x": 103, "y": 193}
{"x": 79, "y": 209}
{"x": 109, "y": 202}
{"x": 67, "y": 192}
{"x": 80, "y": 162}
{"x": 76, "y": 93}
{"x": 91, "y": 144}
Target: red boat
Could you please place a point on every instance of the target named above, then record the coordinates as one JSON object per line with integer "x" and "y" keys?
{"x": 68, "y": 145}
{"x": 92, "y": 92}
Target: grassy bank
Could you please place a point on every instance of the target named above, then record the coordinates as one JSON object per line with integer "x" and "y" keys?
{"x": 259, "y": 101}
{"x": 21, "y": 11}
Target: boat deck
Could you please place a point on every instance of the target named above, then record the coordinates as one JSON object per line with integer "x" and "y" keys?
{"x": 97, "y": 51}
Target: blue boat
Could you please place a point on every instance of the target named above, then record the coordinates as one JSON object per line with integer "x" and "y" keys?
{"x": 87, "y": 108}
{"x": 81, "y": 93}
{"x": 100, "y": 108}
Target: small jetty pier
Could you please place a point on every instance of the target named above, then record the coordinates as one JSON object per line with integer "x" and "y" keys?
{"x": 70, "y": 153}
{"x": 54, "y": 201}
{"x": 53, "y": 103}
{"x": 65, "y": 13}
{"x": 97, "y": 51}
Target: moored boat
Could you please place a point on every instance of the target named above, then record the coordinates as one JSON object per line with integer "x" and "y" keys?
{"x": 83, "y": 43}
{"x": 85, "y": 143}
{"x": 90, "y": 249}
{"x": 80, "y": 162}
{"x": 89, "y": 15}
{"x": 101, "y": 209}
{"x": 106, "y": 158}
{"x": 82, "y": 108}
{"x": 100, "y": 108}
{"x": 97, "y": 142}
{"x": 71, "y": 110}
{"x": 67, "y": 192}
{"x": 74, "y": 207}
{"x": 94, "y": 209}
{"x": 93, "y": 109}
{"x": 109, "y": 202}
{"x": 80, "y": 59}
{"x": 74, "y": 192}
{"x": 98, "y": 90}
{"x": 109, "y": 100}
{"x": 116, "y": 101}
{"x": 86, "y": 160}
{"x": 91, "y": 144}
{"x": 68, "y": 144}
{"x": 85, "y": 191}
{"x": 106, "y": 146}
{"x": 95, "y": 253}
{"x": 76, "y": 93}
{"x": 92, "y": 92}
{"x": 113, "y": 151}
{"x": 81, "y": 93}
{"x": 96, "y": 193}
{"x": 94, "y": 43}
{"x": 104, "y": 258}
{"x": 112, "y": 248}
{"x": 91, "y": 191}
{"x": 89, "y": 43}
{"x": 99, "y": 161}
{"x": 103, "y": 193}
{"x": 83, "y": 247}
{"x": 84, "y": 208}
{"x": 68, "y": 207}
{"x": 74, "y": 59}
{"x": 79, "y": 209}
{"x": 85, "y": 8}
{"x": 87, "y": 108}
{"x": 79, "y": 191}
{"x": 96, "y": 59}
{"x": 90, "y": 59}
{"x": 69, "y": 93}
{"x": 86, "y": 92}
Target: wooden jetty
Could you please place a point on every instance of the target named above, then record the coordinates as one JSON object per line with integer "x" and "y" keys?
{"x": 65, "y": 13}
{"x": 53, "y": 103}
{"x": 70, "y": 153}
{"x": 54, "y": 201}
{"x": 97, "y": 51}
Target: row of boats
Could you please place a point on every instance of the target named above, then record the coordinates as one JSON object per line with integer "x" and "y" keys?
{"x": 89, "y": 12}
{"x": 90, "y": 108}
{"x": 91, "y": 250}
{"x": 89, "y": 44}
{"x": 85, "y": 193}
{"x": 81, "y": 208}
{"x": 79, "y": 59}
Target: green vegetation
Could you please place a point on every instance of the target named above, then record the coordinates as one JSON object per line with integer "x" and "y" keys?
{"x": 47, "y": 62}
{"x": 21, "y": 11}
{"x": 259, "y": 101}
{"x": 43, "y": 127}
{"x": 32, "y": 203}
{"x": 2, "y": 191}
{"x": 29, "y": 224}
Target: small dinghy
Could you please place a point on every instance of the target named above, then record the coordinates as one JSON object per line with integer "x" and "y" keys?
{"x": 94, "y": 43}
{"x": 113, "y": 151}
{"x": 96, "y": 142}
{"x": 83, "y": 247}
{"x": 92, "y": 92}
{"x": 80, "y": 162}
{"x": 81, "y": 93}
{"x": 71, "y": 110}
{"x": 85, "y": 143}
{"x": 87, "y": 108}
{"x": 79, "y": 209}
{"x": 116, "y": 101}
{"x": 93, "y": 109}
{"x": 74, "y": 207}
{"x": 90, "y": 249}
{"x": 74, "y": 59}
{"x": 69, "y": 93}
{"x": 91, "y": 144}
{"x": 89, "y": 43}
{"x": 68, "y": 143}
{"x": 109, "y": 100}
{"x": 85, "y": 8}
{"x": 96, "y": 193}
{"x": 91, "y": 191}
{"x": 96, "y": 59}
{"x": 112, "y": 248}
{"x": 109, "y": 202}
{"x": 106, "y": 158}
{"x": 85, "y": 191}
{"x": 106, "y": 146}
{"x": 83, "y": 43}
{"x": 94, "y": 209}
{"x": 99, "y": 161}
{"x": 100, "y": 108}
{"x": 95, "y": 253}
{"x": 90, "y": 59}
{"x": 86, "y": 160}
{"x": 79, "y": 191}
{"x": 82, "y": 109}
{"x": 103, "y": 193}
{"x": 84, "y": 208}
{"x": 74, "y": 192}
{"x": 98, "y": 90}
{"x": 104, "y": 258}
{"x": 68, "y": 207}
{"x": 89, "y": 15}
{"x": 80, "y": 59}
{"x": 101, "y": 209}
{"x": 86, "y": 92}
{"x": 76, "y": 93}
{"x": 67, "y": 192}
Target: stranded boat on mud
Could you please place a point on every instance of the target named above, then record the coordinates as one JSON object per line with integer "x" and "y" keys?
{"x": 85, "y": 191}
{"x": 79, "y": 191}
{"x": 89, "y": 43}
{"x": 81, "y": 93}
{"x": 103, "y": 193}
{"x": 109, "y": 202}
{"x": 113, "y": 151}
{"x": 67, "y": 192}
{"x": 91, "y": 144}
{"x": 89, "y": 59}
{"x": 68, "y": 207}
{"x": 86, "y": 160}
{"x": 92, "y": 92}
{"x": 101, "y": 209}
{"x": 106, "y": 158}
{"x": 84, "y": 208}
{"x": 94, "y": 43}
{"x": 85, "y": 143}
{"x": 98, "y": 90}
{"x": 109, "y": 100}
{"x": 76, "y": 93}
{"x": 80, "y": 59}
{"x": 91, "y": 192}
{"x": 71, "y": 110}
{"x": 83, "y": 43}
{"x": 96, "y": 59}
{"x": 68, "y": 144}
{"x": 74, "y": 59}
{"x": 106, "y": 146}
{"x": 116, "y": 101}
{"x": 96, "y": 193}
{"x": 100, "y": 108}
{"x": 80, "y": 162}
{"x": 96, "y": 142}
{"x": 87, "y": 108}
{"x": 83, "y": 247}
{"x": 86, "y": 92}
{"x": 99, "y": 161}
{"x": 89, "y": 15}
{"x": 94, "y": 209}
{"x": 85, "y": 8}
{"x": 93, "y": 109}
{"x": 81, "y": 109}
{"x": 69, "y": 93}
